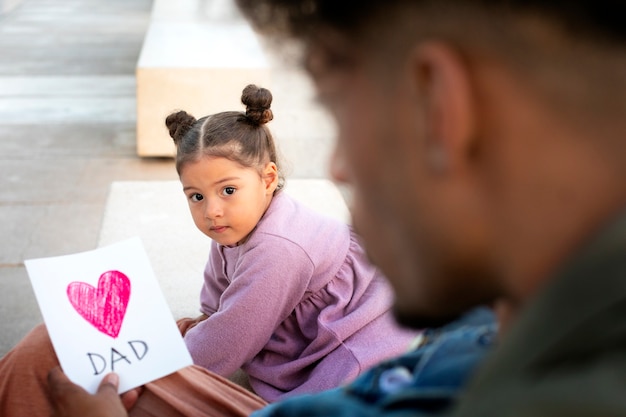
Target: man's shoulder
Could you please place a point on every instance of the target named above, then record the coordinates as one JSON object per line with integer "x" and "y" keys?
{"x": 592, "y": 388}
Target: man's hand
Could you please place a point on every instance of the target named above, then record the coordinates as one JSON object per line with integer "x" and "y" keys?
{"x": 187, "y": 323}
{"x": 70, "y": 400}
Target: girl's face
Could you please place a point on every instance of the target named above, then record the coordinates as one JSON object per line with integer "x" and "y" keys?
{"x": 226, "y": 199}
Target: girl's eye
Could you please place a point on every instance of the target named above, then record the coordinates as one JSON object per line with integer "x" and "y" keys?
{"x": 228, "y": 191}
{"x": 196, "y": 197}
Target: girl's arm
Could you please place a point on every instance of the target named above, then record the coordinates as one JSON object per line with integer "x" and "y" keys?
{"x": 269, "y": 281}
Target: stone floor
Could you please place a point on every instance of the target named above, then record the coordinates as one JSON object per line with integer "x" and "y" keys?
{"x": 67, "y": 126}
{"x": 67, "y": 131}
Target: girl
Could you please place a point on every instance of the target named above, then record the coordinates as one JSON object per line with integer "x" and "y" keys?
{"x": 288, "y": 294}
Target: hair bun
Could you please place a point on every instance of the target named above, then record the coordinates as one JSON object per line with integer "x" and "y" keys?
{"x": 179, "y": 124}
{"x": 257, "y": 101}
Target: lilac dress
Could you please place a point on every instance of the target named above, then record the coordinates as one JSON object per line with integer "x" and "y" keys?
{"x": 298, "y": 307}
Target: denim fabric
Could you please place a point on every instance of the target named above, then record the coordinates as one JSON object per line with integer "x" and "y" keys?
{"x": 425, "y": 381}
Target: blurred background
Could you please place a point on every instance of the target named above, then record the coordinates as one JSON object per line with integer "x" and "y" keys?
{"x": 84, "y": 89}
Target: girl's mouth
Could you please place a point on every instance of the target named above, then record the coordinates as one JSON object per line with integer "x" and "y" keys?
{"x": 218, "y": 229}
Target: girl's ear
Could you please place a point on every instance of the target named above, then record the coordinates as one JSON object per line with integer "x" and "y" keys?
{"x": 270, "y": 177}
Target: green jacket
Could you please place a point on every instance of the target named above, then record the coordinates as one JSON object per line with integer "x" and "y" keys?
{"x": 566, "y": 354}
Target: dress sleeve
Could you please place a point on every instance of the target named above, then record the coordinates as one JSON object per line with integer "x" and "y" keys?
{"x": 269, "y": 280}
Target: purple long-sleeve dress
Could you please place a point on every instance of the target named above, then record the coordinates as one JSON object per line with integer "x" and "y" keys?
{"x": 297, "y": 306}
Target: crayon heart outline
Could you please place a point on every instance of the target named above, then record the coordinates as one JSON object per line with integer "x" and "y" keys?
{"x": 103, "y": 307}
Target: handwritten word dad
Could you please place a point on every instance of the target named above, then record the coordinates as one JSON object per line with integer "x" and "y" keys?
{"x": 99, "y": 362}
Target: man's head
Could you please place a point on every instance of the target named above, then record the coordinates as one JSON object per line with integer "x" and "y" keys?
{"x": 483, "y": 139}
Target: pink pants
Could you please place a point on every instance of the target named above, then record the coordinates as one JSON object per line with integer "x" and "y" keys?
{"x": 192, "y": 391}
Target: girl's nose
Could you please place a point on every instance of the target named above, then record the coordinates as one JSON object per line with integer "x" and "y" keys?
{"x": 213, "y": 209}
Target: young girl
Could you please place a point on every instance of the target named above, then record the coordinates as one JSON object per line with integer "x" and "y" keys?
{"x": 288, "y": 294}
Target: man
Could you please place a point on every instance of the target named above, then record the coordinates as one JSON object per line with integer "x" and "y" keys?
{"x": 484, "y": 142}
{"x": 486, "y": 145}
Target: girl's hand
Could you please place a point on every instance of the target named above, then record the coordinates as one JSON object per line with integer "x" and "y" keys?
{"x": 70, "y": 400}
{"x": 188, "y": 323}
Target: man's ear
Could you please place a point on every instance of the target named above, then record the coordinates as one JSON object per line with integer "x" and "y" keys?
{"x": 270, "y": 177}
{"x": 443, "y": 85}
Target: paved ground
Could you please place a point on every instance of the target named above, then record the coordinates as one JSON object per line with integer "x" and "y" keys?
{"x": 67, "y": 129}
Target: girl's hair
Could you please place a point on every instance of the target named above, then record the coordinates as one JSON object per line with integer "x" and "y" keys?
{"x": 240, "y": 137}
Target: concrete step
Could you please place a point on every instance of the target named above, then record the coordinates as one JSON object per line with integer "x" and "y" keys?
{"x": 158, "y": 213}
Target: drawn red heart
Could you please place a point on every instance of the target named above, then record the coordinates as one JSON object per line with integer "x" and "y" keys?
{"x": 103, "y": 307}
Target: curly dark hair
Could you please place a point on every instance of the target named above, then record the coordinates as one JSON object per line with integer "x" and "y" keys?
{"x": 238, "y": 136}
{"x": 302, "y": 18}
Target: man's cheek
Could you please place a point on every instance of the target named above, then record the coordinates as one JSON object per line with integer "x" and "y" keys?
{"x": 365, "y": 221}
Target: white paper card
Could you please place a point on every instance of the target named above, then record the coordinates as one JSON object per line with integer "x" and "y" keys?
{"x": 105, "y": 313}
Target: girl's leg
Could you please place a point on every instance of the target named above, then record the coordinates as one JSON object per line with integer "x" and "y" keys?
{"x": 192, "y": 391}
